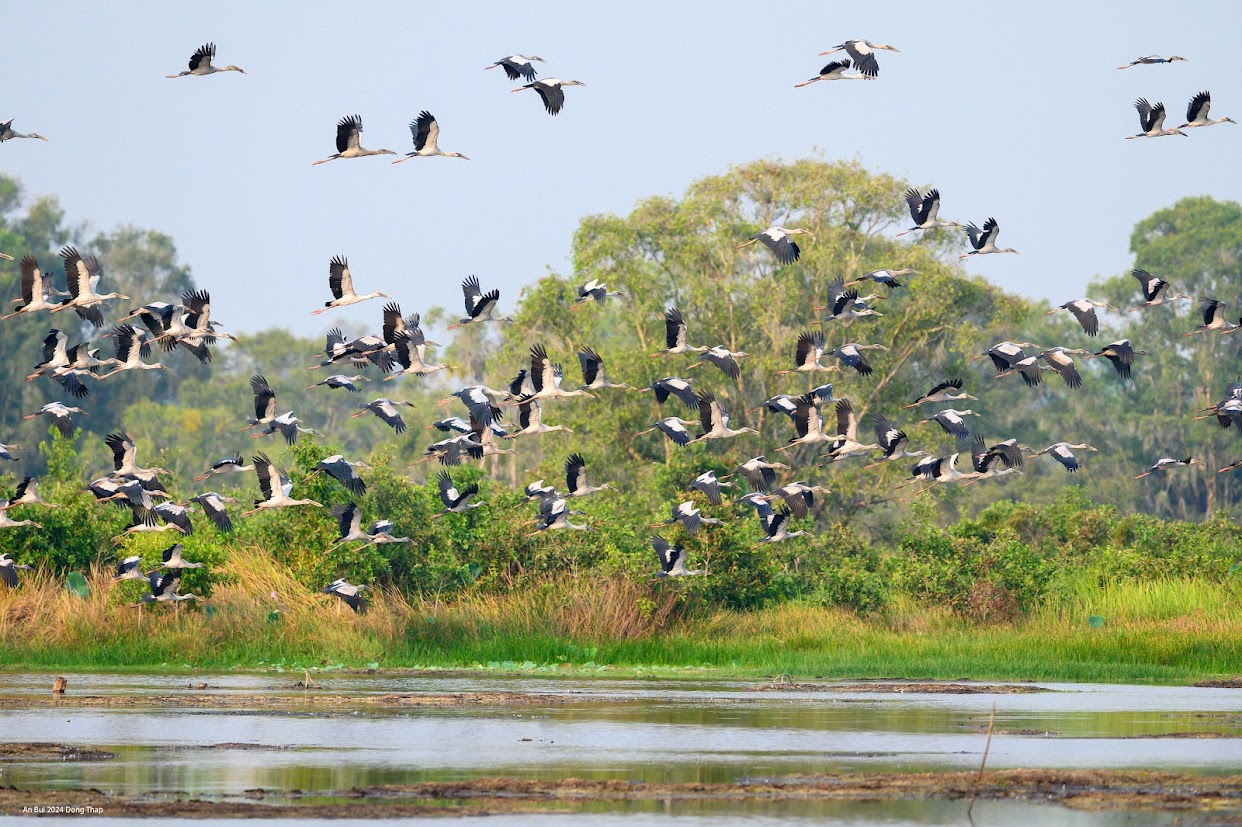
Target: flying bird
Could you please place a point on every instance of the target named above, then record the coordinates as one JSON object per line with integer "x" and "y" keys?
{"x": 551, "y": 91}
{"x": 1084, "y": 311}
{"x": 426, "y": 131}
{"x": 7, "y": 134}
{"x": 863, "y": 54}
{"x": 676, "y": 335}
{"x": 349, "y": 141}
{"x": 387, "y": 410}
{"x": 341, "y": 283}
{"x": 1197, "y": 112}
{"x": 480, "y": 306}
{"x": 593, "y": 291}
{"x": 950, "y": 419}
{"x": 836, "y": 70}
{"x": 200, "y": 63}
{"x": 1213, "y": 313}
{"x": 780, "y": 241}
{"x": 1155, "y": 290}
{"x": 1062, "y": 453}
{"x": 1121, "y": 354}
{"x": 1148, "y": 60}
{"x": 924, "y": 208}
{"x": 1165, "y": 463}
{"x": 944, "y": 392}
{"x": 518, "y": 66}
{"x": 455, "y": 501}
{"x": 1151, "y": 119}
{"x": 984, "y": 240}
{"x": 672, "y": 559}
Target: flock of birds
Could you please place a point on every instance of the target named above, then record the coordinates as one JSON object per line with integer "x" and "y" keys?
{"x": 400, "y": 349}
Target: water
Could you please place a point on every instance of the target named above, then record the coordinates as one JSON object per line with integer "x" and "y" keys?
{"x": 637, "y": 730}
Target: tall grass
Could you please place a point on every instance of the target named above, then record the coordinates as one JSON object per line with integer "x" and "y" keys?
{"x": 1152, "y": 631}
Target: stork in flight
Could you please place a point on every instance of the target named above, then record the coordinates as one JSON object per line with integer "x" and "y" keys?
{"x": 1058, "y": 358}
{"x": 7, "y": 134}
{"x": 1165, "y": 463}
{"x": 1151, "y": 119}
{"x": 845, "y": 444}
{"x": 1148, "y": 60}
{"x": 594, "y": 290}
{"x": 131, "y": 346}
{"x": 1197, "y": 112}
{"x": 924, "y": 208}
{"x": 984, "y": 240}
{"x": 835, "y": 71}
{"x": 34, "y": 289}
{"x": 1062, "y": 453}
{"x": 863, "y": 54}
{"x": 887, "y": 277}
{"x": 780, "y": 241}
{"x": 892, "y": 442}
{"x": 776, "y": 528}
{"x": 1121, "y": 354}
{"x": 60, "y": 415}
{"x": 944, "y": 392}
{"x": 546, "y": 377}
{"x": 200, "y": 63}
{"x": 715, "y": 420}
{"x": 552, "y": 91}
{"x": 676, "y": 338}
{"x": 426, "y": 131}
{"x": 672, "y": 559}
{"x": 1084, "y": 311}
{"x": 455, "y": 501}
{"x": 593, "y": 377}
{"x": 349, "y": 141}
{"x": 387, "y": 410}
{"x": 479, "y": 305}
{"x": 723, "y": 358}
{"x": 82, "y": 278}
{"x": 690, "y": 518}
{"x": 276, "y": 487}
{"x": 673, "y": 427}
{"x": 1213, "y": 313}
{"x": 710, "y": 485}
{"x": 1155, "y": 290}
{"x": 950, "y": 419}
{"x": 341, "y": 283}
{"x": 806, "y": 358}
{"x": 518, "y": 66}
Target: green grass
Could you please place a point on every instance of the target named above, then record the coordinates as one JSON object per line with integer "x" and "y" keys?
{"x": 1169, "y": 631}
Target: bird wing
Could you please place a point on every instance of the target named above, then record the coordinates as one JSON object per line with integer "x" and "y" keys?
{"x": 388, "y": 412}
{"x": 674, "y": 430}
{"x": 1063, "y": 455}
{"x": 448, "y": 492}
{"x": 919, "y": 204}
{"x": 674, "y": 328}
{"x": 575, "y": 473}
{"x": 339, "y": 279}
{"x": 264, "y": 397}
{"x": 592, "y": 365}
{"x": 834, "y": 66}
{"x": 725, "y": 362}
{"x": 776, "y": 520}
{"x": 665, "y": 551}
{"x": 810, "y": 346}
{"x": 202, "y": 56}
{"x": 426, "y": 131}
{"x": 269, "y": 479}
{"x": 979, "y": 458}
{"x": 123, "y": 450}
{"x": 1199, "y": 106}
{"x": 553, "y": 97}
{"x": 806, "y": 417}
{"x": 709, "y": 411}
{"x": 77, "y": 277}
{"x": 1149, "y": 284}
{"x": 1144, "y": 112}
{"x": 847, "y": 425}
{"x": 542, "y": 373}
{"x": 32, "y": 279}
{"x": 348, "y": 133}
{"x": 885, "y": 434}
{"x": 952, "y": 424}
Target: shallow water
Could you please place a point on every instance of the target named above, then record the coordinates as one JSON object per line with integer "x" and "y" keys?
{"x": 666, "y": 730}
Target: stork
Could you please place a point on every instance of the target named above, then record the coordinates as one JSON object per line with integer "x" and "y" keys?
{"x": 672, "y": 559}
{"x": 342, "y": 470}
{"x": 1084, "y": 311}
{"x": 341, "y": 283}
{"x": 289, "y": 426}
{"x": 863, "y": 54}
{"x": 850, "y": 355}
{"x": 673, "y": 427}
{"x": 780, "y": 241}
{"x": 690, "y": 518}
{"x": 984, "y": 240}
{"x": 82, "y": 282}
{"x": 455, "y": 501}
{"x": 593, "y": 377}
{"x": 426, "y": 131}
{"x": 338, "y": 380}
{"x": 1150, "y": 60}
{"x": 576, "y": 478}
{"x": 1155, "y": 290}
{"x": 34, "y": 289}
{"x": 410, "y": 351}
{"x": 924, "y": 208}
{"x": 551, "y": 91}
{"x": 530, "y": 420}
{"x": 887, "y": 277}
{"x": 951, "y": 421}
{"x": 1121, "y": 354}
{"x": 892, "y": 441}
{"x": 275, "y": 486}
{"x": 546, "y": 377}
{"x": 1063, "y": 452}
{"x": 213, "y": 503}
{"x": 710, "y": 485}
{"x": 944, "y": 392}
{"x": 715, "y": 420}
{"x": 675, "y": 335}
{"x": 1213, "y": 313}
{"x": 1197, "y": 112}
{"x": 200, "y": 63}
{"x": 8, "y": 567}
{"x": 808, "y": 426}
{"x": 1165, "y": 463}
{"x": 1151, "y": 119}
{"x": 227, "y": 465}
{"x": 386, "y": 410}
{"x": 349, "y": 524}
{"x": 942, "y": 470}
{"x": 60, "y": 415}
{"x": 480, "y": 306}
{"x": 835, "y": 71}
{"x": 131, "y": 347}
{"x": 723, "y": 358}
{"x": 518, "y": 66}
{"x": 554, "y": 516}
{"x": 845, "y": 444}
{"x": 844, "y": 303}
{"x": 760, "y": 474}
{"x": 1005, "y": 354}
{"x": 27, "y": 493}
{"x": 349, "y": 594}
{"x": 998, "y": 460}
{"x": 776, "y": 529}
{"x": 593, "y": 291}
{"x": 349, "y": 141}
{"x": 798, "y": 496}
{"x": 173, "y": 560}
{"x": 7, "y": 134}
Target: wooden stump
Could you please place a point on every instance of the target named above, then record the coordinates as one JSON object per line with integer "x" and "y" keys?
{"x": 58, "y": 686}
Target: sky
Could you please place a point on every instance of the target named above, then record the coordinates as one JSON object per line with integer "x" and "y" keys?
{"x": 1012, "y": 110}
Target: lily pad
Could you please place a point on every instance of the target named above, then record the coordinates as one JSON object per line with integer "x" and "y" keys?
{"x": 75, "y": 583}
{"x": 1095, "y": 621}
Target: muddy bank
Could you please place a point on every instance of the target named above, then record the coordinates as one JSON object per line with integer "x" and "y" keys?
{"x": 207, "y": 700}
{"x": 40, "y": 751}
{"x": 1087, "y": 790}
{"x": 1225, "y": 683}
{"x": 903, "y": 688}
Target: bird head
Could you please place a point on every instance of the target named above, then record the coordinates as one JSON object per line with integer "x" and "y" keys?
{"x": 1176, "y": 57}
{"x": 572, "y": 83}
{"x": 233, "y": 69}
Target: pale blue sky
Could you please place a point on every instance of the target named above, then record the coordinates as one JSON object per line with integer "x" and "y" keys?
{"x": 1012, "y": 110}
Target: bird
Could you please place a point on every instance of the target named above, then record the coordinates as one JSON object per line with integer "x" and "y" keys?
{"x": 349, "y": 594}
{"x": 950, "y": 419}
{"x": 835, "y": 71}
{"x": 1028, "y": 368}
{"x": 27, "y": 493}
{"x": 129, "y": 569}
{"x": 675, "y": 335}
{"x": 359, "y": 351}
{"x": 480, "y": 306}
{"x": 845, "y": 444}
{"x": 593, "y": 377}
{"x": 1005, "y": 354}
{"x": 530, "y": 420}
{"x": 1197, "y": 112}
{"x": 176, "y": 516}
{"x": 851, "y": 356}
{"x": 342, "y": 470}
{"x": 1165, "y": 463}
{"x": 349, "y": 524}
{"x": 173, "y": 560}
{"x": 673, "y": 427}
{"x": 1062, "y": 453}
{"x": 1084, "y": 311}
{"x": 349, "y": 141}
{"x": 1058, "y": 358}
{"x": 386, "y": 410}
{"x": 455, "y": 502}
{"x": 689, "y": 517}
{"x": 1148, "y": 60}
{"x": 426, "y": 131}
{"x": 780, "y": 241}
{"x": 808, "y": 426}
{"x": 863, "y": 54}
{"x": 8, "y": 522}
{"x": 537, "y": 491}
{"x": 60, "y": 415}
{"x": 941, "y": 470}
{"x": 593, "y": 291}
{"x": 482, "y": 402}
{"x": 337, "y": 380}
{"x": 924, "y": 208}
{"x": 1213, "y": 313}
{"x": 410, "y": 352}
{"x": 672, "y": 558}
{"x": 227, "y": 465}
{"x": 82, "y": 278}
{"x": 551, "y": 91}
{"x": 1155, "y": 290}
{"x": 710, "y": 485}
{"x": 6, "y": 452}
{"x": 34, "y": 289}
{"x": 798, "y": 496}
{"x": 546, "y": 377}
{"x": 275, "y": 486}
{"x": 984, "y": 240}
{"x": 715, "y": 420}
{"x": 844, "y": 303}
{"x": 777, "y": 529}
{"x": 200, "y": 63}
{"x": 518, "y": 66}
{"x": 341, "y": 283}
{"x": 723, "y": 358}
{"x": 554, "y": 515}
{"x": 760, "y": 474}
{"x": 785, "y": 404}
{"x": 8, "y": 567}
{"x": 289, "y": 427}
{"x": 164, "y": 588}
{"x": 213, "y": 504}
{"x": 1121, "y": 354}
{"x": 7, "y": 133}
{"x": 1151, "y": 119}
{"x": 892, "y": 441}
{"x": 576, "y": 478}
{"x": 889, "y": 278}
{"x": 131, "y": 347}
{"x": 944, "y": 392}
{"x": 998, "y": 460}
{"x": 125, "y": 459}
{"x": 380, "y": 533}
